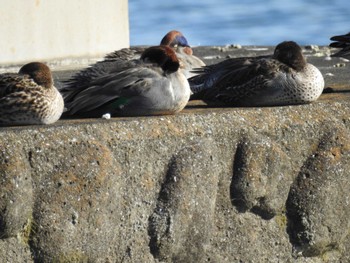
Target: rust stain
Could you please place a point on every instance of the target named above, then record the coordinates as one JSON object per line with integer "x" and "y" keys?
{"x": 336, "y": 153}
{"x": 37, "y": 3}
{"x": 148, "y": 182}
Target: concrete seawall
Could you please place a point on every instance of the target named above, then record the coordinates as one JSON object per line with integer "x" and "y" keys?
{"x": 207, "y": 185}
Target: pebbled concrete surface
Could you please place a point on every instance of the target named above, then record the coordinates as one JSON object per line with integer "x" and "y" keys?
{"x": 207, "y": 185}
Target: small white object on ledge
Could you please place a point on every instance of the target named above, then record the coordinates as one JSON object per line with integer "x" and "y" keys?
{"x": 106, "y": 116}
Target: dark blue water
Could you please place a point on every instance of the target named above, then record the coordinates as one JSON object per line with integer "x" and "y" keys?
{"x": 251, "y": 22}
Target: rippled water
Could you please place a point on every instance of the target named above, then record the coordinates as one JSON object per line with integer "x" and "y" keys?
{"x": 251, "y": 22}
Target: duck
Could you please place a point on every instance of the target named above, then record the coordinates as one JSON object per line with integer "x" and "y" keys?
{"x": 343, "y": 42}
{"x": 174, "y": 39}
{"x": 29, "y": 97}
{"x": 284, "y": 78}
{"x": 151, "y": 85}
{"x": 188, "y": 62}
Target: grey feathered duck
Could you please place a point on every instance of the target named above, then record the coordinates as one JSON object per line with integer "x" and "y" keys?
{"x": 343, "y": 42}
{"x": 29, "y": 96}
{"x": 173, "y": 39}
{"x": 151, "y": 85}
{"x": 283, "y": 78}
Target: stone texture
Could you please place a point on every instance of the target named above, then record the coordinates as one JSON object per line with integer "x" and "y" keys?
{"x": 262, "y": 175}
{"x": 318, "y": 203}
{"x": 75, "y": 214}
{"x": 13, "y": 250}
{"x": 16, "y": 191}
{"x": 206, "y": 185}
{"x": 184, "y": 213}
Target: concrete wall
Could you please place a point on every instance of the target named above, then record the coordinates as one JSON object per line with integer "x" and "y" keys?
{"x": 207, "y": 185}
{"x": 42, "y": 30}
{"x": 212, "y": 185}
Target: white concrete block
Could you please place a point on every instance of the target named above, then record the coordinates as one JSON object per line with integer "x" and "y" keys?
{"x": 50, "y": 29}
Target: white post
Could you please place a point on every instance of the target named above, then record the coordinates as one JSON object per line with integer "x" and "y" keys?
{"x": 32, "y": 30}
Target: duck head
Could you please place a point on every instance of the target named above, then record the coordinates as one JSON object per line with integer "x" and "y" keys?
{"x": 164, "y": 56}
{"x": 290, "y": 53}
{"x": 39, "y": 72}
{"x": 175, "y": 39}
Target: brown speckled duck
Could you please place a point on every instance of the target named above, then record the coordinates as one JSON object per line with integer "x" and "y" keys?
{"x": 29, "y": 96}
{"x": 284, "y": 78}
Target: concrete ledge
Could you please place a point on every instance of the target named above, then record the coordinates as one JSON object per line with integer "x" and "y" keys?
{"x": 207, "y": 185}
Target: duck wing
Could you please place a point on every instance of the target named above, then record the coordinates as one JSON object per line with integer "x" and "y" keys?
{"x": 246, "y": 83}
{"x": 122, "y": 83}
{"x": 18, "y": 94}
{"x": 125, "y": 54}
{"x": 341, "y": 41}
{"x": 82, "y": 80}
{"x": 14, "y": 83}
{"x": 232, "y": 70}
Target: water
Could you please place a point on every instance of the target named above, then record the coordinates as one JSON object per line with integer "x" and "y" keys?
{"x": 251, "y": 22}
